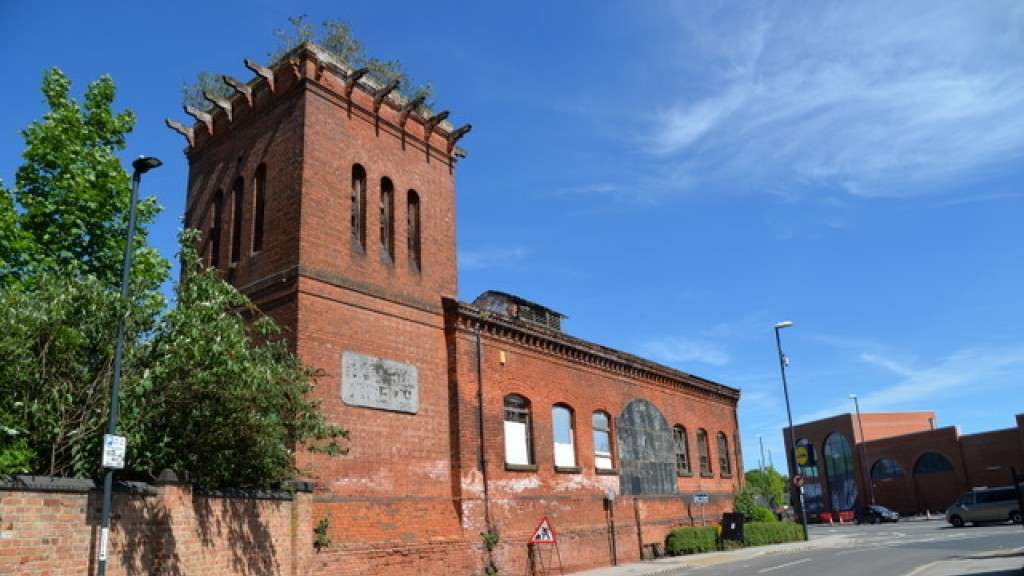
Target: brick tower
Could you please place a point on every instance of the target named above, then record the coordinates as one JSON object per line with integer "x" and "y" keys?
{"x": 330, "y": 201}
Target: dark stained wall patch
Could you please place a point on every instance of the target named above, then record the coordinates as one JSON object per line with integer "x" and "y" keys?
{"x": 646, "y": 457}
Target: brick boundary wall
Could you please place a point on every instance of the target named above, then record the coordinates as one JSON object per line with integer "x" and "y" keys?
{"x": 50, "y": 526}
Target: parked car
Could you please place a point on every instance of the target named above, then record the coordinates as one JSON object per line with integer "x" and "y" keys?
{"x": 985, "y": 505}
{"x": 874, "y": 514}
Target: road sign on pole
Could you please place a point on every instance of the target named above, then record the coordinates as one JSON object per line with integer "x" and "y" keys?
{"x": 544, "y": 533}
{"x": 701, "y": 498}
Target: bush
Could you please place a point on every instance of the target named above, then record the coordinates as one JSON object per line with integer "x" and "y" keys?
{"x": 691, "y": 540}
{"x": 763, "y": 514}
{"x": 763, "y": 533}
{"x": 743, "y": 502}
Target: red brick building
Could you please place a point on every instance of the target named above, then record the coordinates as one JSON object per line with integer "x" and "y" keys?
{"x": 901, "y": 460}
{"x": 331, "y": 203}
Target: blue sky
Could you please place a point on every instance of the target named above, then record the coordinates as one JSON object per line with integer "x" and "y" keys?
{"x": 675, "y": 177}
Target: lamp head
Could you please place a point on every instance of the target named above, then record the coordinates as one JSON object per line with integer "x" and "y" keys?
{"x": 853, "y": 396}
{"x": 144, "y": 164}
{"x": 785, "y": 324}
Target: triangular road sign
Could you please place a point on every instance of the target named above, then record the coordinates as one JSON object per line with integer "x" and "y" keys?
{"x": 544, "y": 533}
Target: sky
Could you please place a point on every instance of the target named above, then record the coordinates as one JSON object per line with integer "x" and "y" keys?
{"x": 676, "y": 177}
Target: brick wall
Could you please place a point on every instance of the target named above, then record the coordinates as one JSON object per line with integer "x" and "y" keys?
{"x": 409, "y": 495}
{"x": 574, "y": 500}
{"x": 51, "y": 527}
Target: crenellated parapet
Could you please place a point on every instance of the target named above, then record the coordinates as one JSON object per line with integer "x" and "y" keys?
{"x": 310, "y": 67}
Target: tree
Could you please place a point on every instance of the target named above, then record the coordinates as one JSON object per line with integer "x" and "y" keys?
{"x": 69, "y": 205}
{"x": 208, "y": 387}
{"x": 769, "y": 485}
{"x": 222, "y": 396}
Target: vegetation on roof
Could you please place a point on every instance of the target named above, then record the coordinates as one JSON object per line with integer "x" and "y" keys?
{"x": 334, "y": 36}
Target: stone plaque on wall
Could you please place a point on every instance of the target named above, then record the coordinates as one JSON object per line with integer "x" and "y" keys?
{"x": 379, "y": 383}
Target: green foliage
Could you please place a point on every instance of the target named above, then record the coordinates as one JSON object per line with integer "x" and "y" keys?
{"x": 764, "y": 514}
{"x": 691, "y": 540}
{"x": 763, "y": 533}
{"x": 222, "y": 396}
{"x": 743, "y": 502}
{"x": 69, "y": 205}
{"x": 15, "y": 453}
{"x": 57, "y": 333}
{"x": 769, "y": 485}
{"x": 490, "y": 539}
{"x": 208, "y": 387}
{"x": 209, "y": 82}
{"x": 321, "y": 539}
{"x": 334, "y": 36}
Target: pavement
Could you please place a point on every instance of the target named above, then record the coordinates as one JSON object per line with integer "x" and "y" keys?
{"x": 904, "y": 549}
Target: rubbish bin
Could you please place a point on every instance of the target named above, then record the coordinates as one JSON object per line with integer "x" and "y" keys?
{"x": 732, "y": 526}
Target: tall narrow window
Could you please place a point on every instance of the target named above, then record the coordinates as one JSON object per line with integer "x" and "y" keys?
{"x": 238, "y": 199}
{"x": 359, "y": 207}
{"x": 413, "y": 215}
{"x": 216, "y": 217}
{"x": 601, "y": 424}
{"x": 260, "y": 207}
{"x": 387, "y": 217}
{"x": 724, "y": 462}
{"x": 518, "y": 441}
{"x": 562, "y": 433}
{"x": 681, "y": 444}
{"x": 705, "y": 451}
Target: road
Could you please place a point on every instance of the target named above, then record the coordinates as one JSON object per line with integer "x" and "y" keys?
{"x": 881, "y": 550}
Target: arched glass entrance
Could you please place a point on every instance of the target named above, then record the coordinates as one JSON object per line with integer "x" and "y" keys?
{"x": 839, "y": 468}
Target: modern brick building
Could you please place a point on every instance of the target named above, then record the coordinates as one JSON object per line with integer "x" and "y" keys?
{"x": 901, "y": 460}
{"x": 331, "y": 203}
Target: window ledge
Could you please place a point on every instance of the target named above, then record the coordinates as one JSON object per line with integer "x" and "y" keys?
{"x": 684, "y": 474}
{"x": 606, "y": 472}
{"x": 726, "y": 475}
{"x": 520, "y": 467}
{"x": 568, "y": 469}
{"x": 707, "y": 475}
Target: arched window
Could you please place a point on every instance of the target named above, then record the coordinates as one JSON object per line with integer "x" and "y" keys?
{"x": 216, "y": 222}
{"x": 885, "y": 469}
{"x": 932, "y": 463}
{"x": 564, "y": 436}
{"x": 412, "y": 213}
{"x": 681, "y": 446}
{"x": 238, "y": 200}
{"x": 724, "y": 462}
{"x": 601, "y": 424}
{"x": 259, "y": 208}
{"x": 387, "y": 218}
{"x": 518, "y": 439}
{"x": 704, "y": 450}
{"x": 358, "y": 207}
{"x": 839, "y": 468}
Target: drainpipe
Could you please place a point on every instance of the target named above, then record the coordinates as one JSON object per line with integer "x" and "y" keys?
{"x": 480, "y": 429}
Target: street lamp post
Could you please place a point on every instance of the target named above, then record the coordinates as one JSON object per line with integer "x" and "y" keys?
{"x": 760, "y": 439}
{"x": 140, "y": 166}
{"x": 791, "y": 459}
{"x": 864, "y": 451}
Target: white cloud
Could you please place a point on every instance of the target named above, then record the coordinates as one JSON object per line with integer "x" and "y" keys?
{"x": 681, "y": 351}
{"x": 491, "y": 257}
{"x": 916, "y": 387}
{"x": 877, "y": 99}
